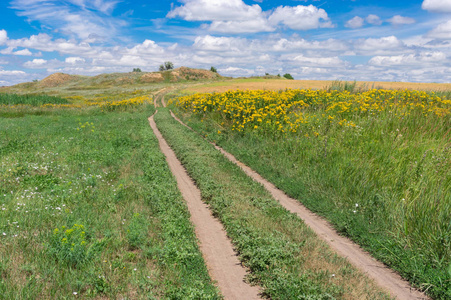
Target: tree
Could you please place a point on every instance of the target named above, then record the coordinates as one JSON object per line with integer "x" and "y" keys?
{"x": 213, "y": 69}
{"x": 288, "y": 76}
{"x": 136, "y": 70}
{"x": 168, "y": 65}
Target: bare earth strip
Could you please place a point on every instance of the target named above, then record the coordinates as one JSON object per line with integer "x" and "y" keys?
{"x": 222, "y": 262}
{"x": 384, "y": 277}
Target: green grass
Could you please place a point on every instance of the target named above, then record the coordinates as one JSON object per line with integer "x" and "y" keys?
{"x": 89, "y": 206}
{"x": 30, "y": 99}
{"x": 284, "y": 256}
{"x": 386, "y": 184}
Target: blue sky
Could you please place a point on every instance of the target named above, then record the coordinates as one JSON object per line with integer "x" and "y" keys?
{"x": 310, "y": 39}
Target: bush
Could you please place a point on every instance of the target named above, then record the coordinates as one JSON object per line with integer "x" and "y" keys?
{"x": 70, "y": 246}
{"x": 136, "y": 70}
{"x": 213, "y": 69}
{"x": 288, "y": 76}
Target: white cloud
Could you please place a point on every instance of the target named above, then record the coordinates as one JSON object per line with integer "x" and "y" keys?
{"x": 329, "y": 62}
{"x": 440, "y": 6}
{"x": 355, "y": 22}
{"x": 3, "y": 36}
{"x": 300, "y": 17}
{"x": 44, "y": 42}
{"x": 302, "y": 44}
{"x": 442, "y": 31}
{"x": 408, "y": 59}
{"x": 218, "y": 44}
{"x": 383, "y": 45}
{"x": 248, "y": 26}
{"x": 37, "y": 62}
{"x": 148, "y": 47}
{"x": 234, "y": 71}
{"x": 400, "y": 20}
{"x": 216, "y": 10}
{"x": 74, "y": 60}
{"x": 24, "y": 52}
{"x": 14, "y": 72}
{"x": 373, "y": 20}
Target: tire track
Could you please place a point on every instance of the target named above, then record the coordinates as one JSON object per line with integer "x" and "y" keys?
{"x": 222, "y": 262}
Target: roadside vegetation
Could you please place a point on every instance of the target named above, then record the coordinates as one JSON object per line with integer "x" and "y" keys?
{"x": 89, "y": 208}
{"x": 283, "y": 255}
{"x": 376, "y": 163}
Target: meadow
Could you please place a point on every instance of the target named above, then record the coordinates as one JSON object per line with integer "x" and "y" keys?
{"x": 376, "y": 163}
{"x": 89, "y": 208}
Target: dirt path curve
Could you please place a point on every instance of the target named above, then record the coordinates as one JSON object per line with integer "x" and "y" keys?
{"x": 383, "y": 276}
{"x": 222, "y": 262}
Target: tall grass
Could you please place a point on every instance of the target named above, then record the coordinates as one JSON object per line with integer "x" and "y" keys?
{"x": 379, "y": 170}
{"x": 30, "y": 99}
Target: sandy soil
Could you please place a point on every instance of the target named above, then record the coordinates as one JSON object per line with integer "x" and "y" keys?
{"x": 383, "y": 276}
{"x": 277, "y": 84}
{"x": 222, "y": 262}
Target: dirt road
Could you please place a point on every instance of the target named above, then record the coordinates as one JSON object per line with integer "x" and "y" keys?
{"x": 222, "y": 262}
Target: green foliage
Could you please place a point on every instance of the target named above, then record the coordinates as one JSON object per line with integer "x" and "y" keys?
{"x": 288, "y": 76}
{"x": 168, "y": 65}
{"x": 136, "y": 232}
{"x": 213, "y": 69}
{"x": 136, "y": 70}
{"x": 30, "y": 99}
{"x": 70, "y": 246}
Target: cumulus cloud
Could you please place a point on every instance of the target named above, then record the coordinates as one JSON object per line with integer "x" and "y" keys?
{"x": 3, "y": 37}
{"x": 400, "y": 20}
{"x": 355, "y": 22}
{"x": 37, "y": 62}
{"x": 383, "y": 45}
{"x": 74, "y": 60}
{"x": 440, "y": 6}
{"x": 442, "y": 31}
{"x": 216, "y": 10}
{"x": 24, "y": 52}
{"x": 301, "y": 17}
{"x": 234, "y": 16}
{"x": 148, "y": 47}
{"x": 373, "y": 20}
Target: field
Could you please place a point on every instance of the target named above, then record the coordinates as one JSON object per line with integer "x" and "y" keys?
{"x": 280, "y": 84}
{"x": 376, "y": 164}
{"x": 90, "y": 209}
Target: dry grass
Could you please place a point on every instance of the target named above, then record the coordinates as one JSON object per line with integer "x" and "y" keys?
{"x": 278, "y": 84}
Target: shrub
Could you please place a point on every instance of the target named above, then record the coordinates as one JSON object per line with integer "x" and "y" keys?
{"x": 70, "y": 246}
{"x": 288, "y": 76}
{"x": 213, "y": 69}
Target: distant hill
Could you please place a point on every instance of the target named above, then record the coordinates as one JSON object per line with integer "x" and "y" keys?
{"x": 60, "y": 82}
